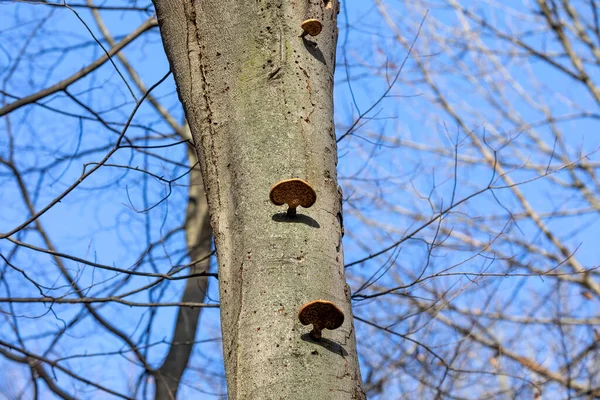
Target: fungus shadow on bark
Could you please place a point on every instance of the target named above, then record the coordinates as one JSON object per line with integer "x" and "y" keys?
{"x": 299, "y": 218}
{"x": 327, "y": 344}
{"x": 314, "y": 50}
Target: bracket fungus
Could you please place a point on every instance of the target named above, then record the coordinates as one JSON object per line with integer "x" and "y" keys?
{"x": 321, "y": 314}
{"x": 294, "y": 193}
{"x": 311, "y": 27}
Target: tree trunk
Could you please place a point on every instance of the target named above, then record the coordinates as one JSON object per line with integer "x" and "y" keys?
{"x": 259, "y": 100}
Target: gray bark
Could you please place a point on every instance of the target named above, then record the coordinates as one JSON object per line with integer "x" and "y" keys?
{"x": 198, "y": 237}
{"x": 259, "y": 101}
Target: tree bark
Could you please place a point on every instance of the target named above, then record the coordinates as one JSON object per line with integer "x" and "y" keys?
{"x": 259, "y": 101}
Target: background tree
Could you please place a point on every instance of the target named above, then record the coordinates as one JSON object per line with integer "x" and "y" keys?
{"x": 468, "y": 165}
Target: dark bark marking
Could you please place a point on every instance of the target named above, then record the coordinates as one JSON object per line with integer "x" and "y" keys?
{"x": 273, "y": 74}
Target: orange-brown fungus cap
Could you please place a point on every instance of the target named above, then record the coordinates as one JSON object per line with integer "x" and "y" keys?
{"x": 294, "y": 193}
{"x": 312, "y": 26}
{"x": 321, "y": 314}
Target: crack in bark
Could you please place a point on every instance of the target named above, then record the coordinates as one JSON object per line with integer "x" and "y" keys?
{"x": 207, "y": 102}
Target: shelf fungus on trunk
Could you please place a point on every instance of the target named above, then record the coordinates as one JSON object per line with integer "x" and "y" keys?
{"x": 294, "y": 193}
{"x": 321, "y": 314}
{"x": 311, "y": 27}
